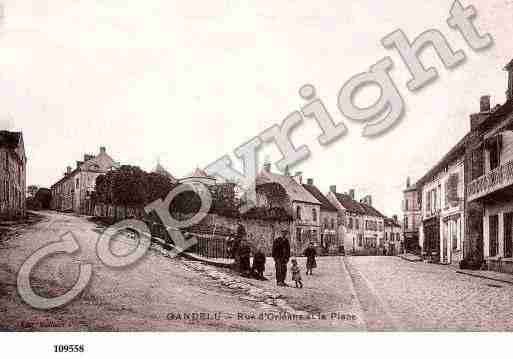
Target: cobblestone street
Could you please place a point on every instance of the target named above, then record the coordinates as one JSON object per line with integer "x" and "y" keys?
{"x": 344, "y": 294}
{"x": 401, "y": 295}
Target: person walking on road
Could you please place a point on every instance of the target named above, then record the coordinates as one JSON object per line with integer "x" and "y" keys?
{"x": 281, "y": 255}
{"x": 310, "y": 254}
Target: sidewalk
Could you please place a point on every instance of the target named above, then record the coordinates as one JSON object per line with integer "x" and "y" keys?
{"x": 485, "y": 274}
{"x": 410, "y": 257}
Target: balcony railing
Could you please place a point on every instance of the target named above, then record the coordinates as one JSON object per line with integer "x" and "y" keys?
{"x": 497, "y": 179}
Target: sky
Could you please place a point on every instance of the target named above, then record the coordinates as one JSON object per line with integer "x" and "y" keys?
{"x": 187, "y": 82}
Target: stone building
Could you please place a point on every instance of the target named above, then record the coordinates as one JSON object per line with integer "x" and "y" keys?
{"x": 71, "y": 192}
{"x": 442, "y": 188}
{"x": 13, "y": 176}
{"x": 285, "y": 191}
{"x": 361, "y": 225}
{"x": 489, "y": 171}
{"x": 331, "y": 240}
{"x": 411, "y": 217}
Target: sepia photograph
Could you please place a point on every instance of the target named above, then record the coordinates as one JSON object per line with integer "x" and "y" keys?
{"x": 335, "y": 167}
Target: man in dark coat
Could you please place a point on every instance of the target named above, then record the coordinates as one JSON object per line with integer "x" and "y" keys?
{"x": 281, "y": 255}
{"x": 259, "y": 264}
{"x": 244, "y": 257}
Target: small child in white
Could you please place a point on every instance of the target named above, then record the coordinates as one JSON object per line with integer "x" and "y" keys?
{"x": 296, "y": 273}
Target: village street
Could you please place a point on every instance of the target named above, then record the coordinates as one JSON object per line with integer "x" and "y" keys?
{"x": 157, "y": 293}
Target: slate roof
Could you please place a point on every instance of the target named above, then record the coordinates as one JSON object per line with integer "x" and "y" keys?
{"x": 325, "y": 203}
{"x": 9, "y": 139}
{"x": 295, "y": 191}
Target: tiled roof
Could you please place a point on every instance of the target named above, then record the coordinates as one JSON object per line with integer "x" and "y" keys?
{"x": 357, "y": 207}
{"x": 350, "y": 204}
{"x": 390, "y": 222}
{"x": 371, "y": 211}
{"x": 294, "y": 190}
{"x": 9, "y": 139}
{"x": 325, "y": 203}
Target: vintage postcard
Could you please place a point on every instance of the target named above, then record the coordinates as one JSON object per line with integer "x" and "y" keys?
{"x": 256, "y": 166}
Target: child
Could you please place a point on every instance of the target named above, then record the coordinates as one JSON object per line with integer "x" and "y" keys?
{"x": 296, "y": 274}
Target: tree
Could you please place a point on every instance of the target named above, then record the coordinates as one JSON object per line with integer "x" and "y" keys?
{"x": 157, "y": 186}
{"x": 129, "y": 186}
{"x": 44, "y": 196}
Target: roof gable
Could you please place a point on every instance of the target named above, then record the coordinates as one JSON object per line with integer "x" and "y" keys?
{"x": 294, "y": 190}
{"x": 325, "y": 203}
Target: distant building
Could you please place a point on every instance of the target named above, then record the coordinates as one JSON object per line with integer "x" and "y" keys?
{"x": 12, "y": 175}
{"x": 394, "y": 242}
{"x": 361, "y": 225}
{"x": 71, "y": 192}
{"x": 331, "y": 239}
{"x": 31, "y": 190}
{"x": 411, "y": 217}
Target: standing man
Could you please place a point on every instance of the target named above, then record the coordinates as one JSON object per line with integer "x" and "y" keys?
{"x": 281, "y": 255}
{"x": 240, "y": 233}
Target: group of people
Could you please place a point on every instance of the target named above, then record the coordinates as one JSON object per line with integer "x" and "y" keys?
{"x": 240, "y": 250}
{"x": 281, "y": 256}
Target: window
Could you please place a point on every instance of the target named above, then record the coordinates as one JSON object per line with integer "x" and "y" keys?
{"x": 360, "y": 240}
{"x": 494, "y": 156}
{"x": 332, "y": 223}
{"x": 350, "y": 224}
{"x": 78, "y": 182}
{"x": 508, "y": 238}
{"x": 493, "y": 235}
{"x": 298, "y": 212}
{"x": 314, "y": 214}
{"x": 314, "y": 236}
{"x": 298, "y": 235}
{"x": 405, "y": 222}
{"x": 357, "y": 223}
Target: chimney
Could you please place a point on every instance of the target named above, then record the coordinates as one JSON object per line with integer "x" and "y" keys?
{"x": 333, "y": 188}
{"x": 484, "y": 104}
{"x": 309, "y": 181}
{"x": 509, "y": 69}
{"x": 408, "y": 182}
{"x": 298, "y": 176}
{"x": 351, "y": 193}
{"x": 103, "y": 149}
{"x": 367, "y": 200}
{"x": 68, "y": 170}
{"x": 267, "y": 167}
